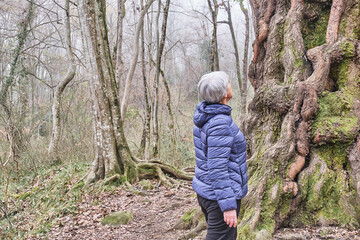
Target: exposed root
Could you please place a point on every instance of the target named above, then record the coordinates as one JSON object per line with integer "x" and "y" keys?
{"x": 293, "y": 4}
{"x": 171, "y": 170}
{"x": 337, "y": 9}
{"x": 195, "y": 231}
{"x": 291, "y": 187}
{"x": 257, "y": 214}
{"x": 111, "y": 179}
{"x": 162, "y": 177}
{"x": 196, "y": 224}
{"x": 296, "y": 167}
{"x": 157, "y": 169}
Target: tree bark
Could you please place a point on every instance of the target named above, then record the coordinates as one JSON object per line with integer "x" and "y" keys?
{"x": 145, "y": 139}
{"x": 236, "y": 52}
{"x": 55, "y": 137}
{"x": 214, "y": 58}
{"x": 113, "y": 159}
{"x": 159, "y": 53}
{"x": 300, "y": 133}
{"x": 245, "y": 59}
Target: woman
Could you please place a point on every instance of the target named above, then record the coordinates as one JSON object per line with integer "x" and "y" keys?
{"x": 220, "y": 175}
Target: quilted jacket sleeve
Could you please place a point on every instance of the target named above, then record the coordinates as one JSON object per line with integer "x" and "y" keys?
{"x": 219, "y": 141}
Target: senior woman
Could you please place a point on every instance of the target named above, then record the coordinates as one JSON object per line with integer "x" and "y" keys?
{"x": 220, "y": 174}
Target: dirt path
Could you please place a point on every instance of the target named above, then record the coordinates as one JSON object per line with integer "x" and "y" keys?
{"x": 154, "y": 216}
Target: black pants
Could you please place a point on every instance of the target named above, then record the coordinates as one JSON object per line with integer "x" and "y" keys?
{"x": 217, "y": 229}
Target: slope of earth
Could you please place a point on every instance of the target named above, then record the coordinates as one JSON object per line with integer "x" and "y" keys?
{"x": 155, "y": 212}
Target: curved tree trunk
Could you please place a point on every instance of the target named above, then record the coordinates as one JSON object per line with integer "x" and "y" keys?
{"x": 303, "y": 123}
{"x": 55, "y": 137}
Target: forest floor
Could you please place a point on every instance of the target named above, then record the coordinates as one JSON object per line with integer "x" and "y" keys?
{"x": 155, "y": 213}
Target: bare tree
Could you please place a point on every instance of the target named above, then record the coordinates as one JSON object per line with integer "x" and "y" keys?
{"x": 145, "y": 139}
{"x": 244, "y": 88}
{"x": 214, "y": 58}
{"x": 236, "y": 52}
{"x": 54, "y": 142}
{"x": 15, "y": 135}
{"x": 160, "y": 48}
{"x": 134, "y": 59}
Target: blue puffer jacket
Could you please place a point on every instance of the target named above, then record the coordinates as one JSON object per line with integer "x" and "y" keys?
{"x": 220, "y": 149}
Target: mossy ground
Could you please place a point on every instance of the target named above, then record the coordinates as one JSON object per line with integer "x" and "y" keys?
{"x": 44, "y": 195}
{"x": 117, "y": 218}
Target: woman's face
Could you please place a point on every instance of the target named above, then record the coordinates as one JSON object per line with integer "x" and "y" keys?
{"x": 228, "y": 95}
{"x": 229, "y": 92}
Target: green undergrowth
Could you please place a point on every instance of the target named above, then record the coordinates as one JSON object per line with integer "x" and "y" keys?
{"x": 38, "y": 199}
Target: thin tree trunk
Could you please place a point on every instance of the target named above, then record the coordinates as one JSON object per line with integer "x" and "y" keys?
{"x": 134, "y": 59}
{"x": 244, "y": 89}
{"x": 145, "y": 139}
{"x": 214, "y": 59}
{"x": 236, "y": 52}
{"x": 160, "y": 49}
{"x": 172, "y": 120}
{"x": 54, "y": 142}
{"x": 117, "y": 56}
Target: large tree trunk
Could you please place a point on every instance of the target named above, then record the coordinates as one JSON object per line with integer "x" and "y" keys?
{"x": 303, "y": 123}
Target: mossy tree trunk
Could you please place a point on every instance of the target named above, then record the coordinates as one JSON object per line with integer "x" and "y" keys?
{"x": 303, "y": 123}
{"x": 113, "y": 160}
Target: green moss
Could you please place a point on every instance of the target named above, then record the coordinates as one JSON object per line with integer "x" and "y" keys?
{"x": 337, "y": 129}
{"x": 336, "y": 118}
{"x": 348, "y": 48}
{"x": 78, "y": 185}
{"x": 245, "y": 233}
{"x": 348, "y": 26}
{"x": 24, "y": 195}
{"x": 144, "y": 170}
{"x": 117, "y": 218}
{"x": 334, "y": 155}
{"x": 188, "y": 216}
{"x": 326, "y": 194}
{"x": 335, "y": 104}
{"x": 314, "y": 32}
{"x": 146, "y": 184}
{"x": 131, "y": 173}
{"x": 269, "y": 205}
{"x": 342, "y": 72}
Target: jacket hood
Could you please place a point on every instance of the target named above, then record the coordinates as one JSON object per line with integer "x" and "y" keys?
{"x": 205, "y": 111}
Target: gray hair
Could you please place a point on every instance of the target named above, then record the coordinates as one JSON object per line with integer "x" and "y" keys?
{"x": 212, "y": 86}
